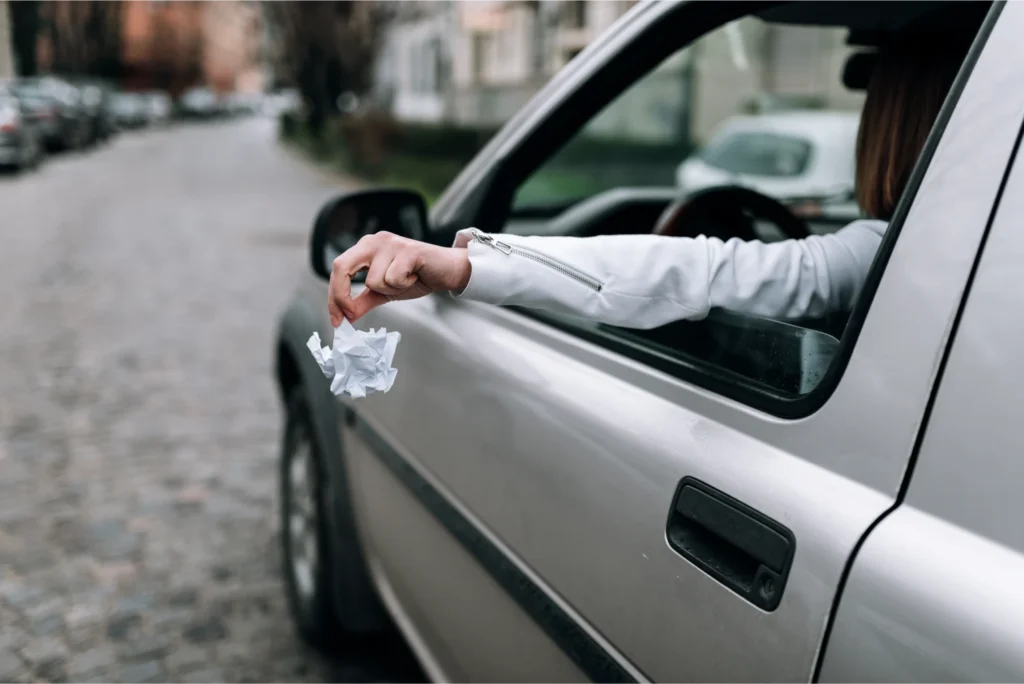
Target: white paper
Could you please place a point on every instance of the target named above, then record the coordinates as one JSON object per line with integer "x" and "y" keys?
{"x": 360, "y": 361}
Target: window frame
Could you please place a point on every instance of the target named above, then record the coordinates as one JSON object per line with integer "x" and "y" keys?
{"x": 492, "y": 201}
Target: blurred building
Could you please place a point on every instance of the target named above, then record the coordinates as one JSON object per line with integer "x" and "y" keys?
{"x": 500, "y": 59}
{"x": 754, "y": 66}
{"x": 413, "y": 68}
{"x": 477, "y": 63}
{"x": 161, "y": 45}
{"x": 172, "y": 46}
{"x": 232, "y": 41}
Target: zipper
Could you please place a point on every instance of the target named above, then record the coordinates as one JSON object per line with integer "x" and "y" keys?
{"x": 568, "y": 271}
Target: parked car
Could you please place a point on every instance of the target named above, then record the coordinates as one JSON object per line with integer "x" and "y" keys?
{"x": 130, "y": 110}
{"x": 541, "y": 498}
{"x": 160, "y": 107}
{"x": 243, "y": 104}
{"x": 42, "y": 110}
{"x": 282, "y": 101}
{"x": 21, "y": 133}
{"x": 60, "y": 103}
{"x": 95, "y": 95}
{"x": 805, "y": 159}
{"x": 200, "y": 103}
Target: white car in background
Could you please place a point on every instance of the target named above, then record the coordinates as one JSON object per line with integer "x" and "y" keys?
{"x": 804, "y": 159}
{"x": 160, "y": 107}
{"x": 201, "y": 103}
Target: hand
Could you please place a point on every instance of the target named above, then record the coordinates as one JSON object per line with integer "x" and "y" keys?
{"x": 397, "y": 268}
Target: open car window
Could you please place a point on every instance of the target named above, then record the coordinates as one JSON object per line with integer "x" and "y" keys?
{"x": 669, "y": 135}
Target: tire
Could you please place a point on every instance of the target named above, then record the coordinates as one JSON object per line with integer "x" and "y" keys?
{"x": 38, "y": 151}
{"x": 305, "y": 543}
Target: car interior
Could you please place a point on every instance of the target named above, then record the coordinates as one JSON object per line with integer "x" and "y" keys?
{"x": 787, "y": 358}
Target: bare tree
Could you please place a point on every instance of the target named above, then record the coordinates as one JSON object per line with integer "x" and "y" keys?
{"x": 84, "y": 34}
{"x": 326, "y": 48}
{"x": 25, "y": 26}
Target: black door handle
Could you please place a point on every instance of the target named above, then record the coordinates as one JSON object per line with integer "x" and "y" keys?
{"x": 741, "y": 548}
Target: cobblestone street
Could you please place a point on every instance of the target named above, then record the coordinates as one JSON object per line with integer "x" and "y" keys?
{"x": 139, "y": 424}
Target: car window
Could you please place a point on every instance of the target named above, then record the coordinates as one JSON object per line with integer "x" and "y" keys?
{"x": 752, "y": 103}
{"x": 731, "y": 109}
{"x": 33, "y": 101}
{"x": 759, "y": 154}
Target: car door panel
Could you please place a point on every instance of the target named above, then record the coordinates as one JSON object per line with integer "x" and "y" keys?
{"x": 935, "y": 593}
{"x": 471, "y": 629}
{"x": 567, "y": 455}
{"x": 575, "y": 468}
{"x": 929, "y": 601}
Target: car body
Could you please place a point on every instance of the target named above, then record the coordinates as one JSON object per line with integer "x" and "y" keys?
{"x": 60, "y": 103}
{"x": 95, "y": 96}
{"x": 541, "y": 498}
{"x": 130, "y": 110}
{"x": 21, "y": 132}
{"x": 244, "y": 103}
{"x": 803, "y": 158}
{"x": 200, "y": 103}
{"x": 160, "y": 107}
{"x": 43, "y": 110}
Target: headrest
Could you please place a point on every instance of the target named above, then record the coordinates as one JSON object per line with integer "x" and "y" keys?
{"x": 858, "y": 69}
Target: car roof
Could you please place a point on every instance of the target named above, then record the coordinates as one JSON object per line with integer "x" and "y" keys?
{"x": 874, "y": 22}
{"x": 819, "y": 127}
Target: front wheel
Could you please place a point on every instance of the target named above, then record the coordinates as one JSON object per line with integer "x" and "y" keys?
{"x": 306, "y": 551}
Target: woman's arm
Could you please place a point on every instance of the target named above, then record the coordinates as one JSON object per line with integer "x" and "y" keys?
{"x": 643, "y": 281}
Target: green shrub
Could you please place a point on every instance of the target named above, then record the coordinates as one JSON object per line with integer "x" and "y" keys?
{"x": 288, "y": 125}
{"x": 428, "y": 157}
{"x": 442, "y": 141}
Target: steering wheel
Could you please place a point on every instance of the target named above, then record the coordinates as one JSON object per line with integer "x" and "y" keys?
{"x": 726, "y": 212}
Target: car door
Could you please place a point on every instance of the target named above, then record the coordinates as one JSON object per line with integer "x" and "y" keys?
{"x": 541, "y": 498}
{"x": 934, "y": 593}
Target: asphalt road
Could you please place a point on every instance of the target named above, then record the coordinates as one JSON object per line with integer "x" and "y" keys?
{"x": 139, "y": 425}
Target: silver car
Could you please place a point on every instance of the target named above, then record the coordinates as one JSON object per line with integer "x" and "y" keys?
{"x": 21, "y": 132}
{"x": 542, "y": 498}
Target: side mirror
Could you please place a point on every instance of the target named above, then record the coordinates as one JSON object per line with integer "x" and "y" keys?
{"x": 345, "y": 219}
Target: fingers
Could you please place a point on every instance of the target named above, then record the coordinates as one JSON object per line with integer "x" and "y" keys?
{"x": 334, "y": 293}
{"x": 364, "y": 302}
{"x": 401, "y": 272}
{"x": 380, "y": 254}
{"x": 375, "y": 276}
{"x": 339, "y": 293}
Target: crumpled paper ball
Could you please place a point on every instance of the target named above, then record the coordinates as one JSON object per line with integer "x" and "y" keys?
{"x": 360, "y": 361}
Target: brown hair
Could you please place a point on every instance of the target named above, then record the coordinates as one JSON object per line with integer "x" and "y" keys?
{"x": 907, "y": 88}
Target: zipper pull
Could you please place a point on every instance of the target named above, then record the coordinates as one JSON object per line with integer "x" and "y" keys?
{"x": 490, "y": 241}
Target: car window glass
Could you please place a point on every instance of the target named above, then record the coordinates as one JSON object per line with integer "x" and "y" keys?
{"x": 754, "y": 104}
{"x": 759, "y": 154}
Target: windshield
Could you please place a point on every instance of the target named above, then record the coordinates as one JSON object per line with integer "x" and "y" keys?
{"x": 759, "y": 154}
